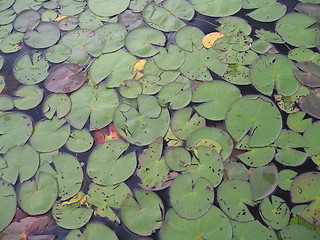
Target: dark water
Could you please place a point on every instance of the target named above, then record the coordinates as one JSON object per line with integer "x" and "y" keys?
{"x": 207, "y": 25}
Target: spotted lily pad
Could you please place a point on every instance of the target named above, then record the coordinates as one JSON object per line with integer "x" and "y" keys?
{"x": 303, "y": 190}
{"x": 269, "y": 13}
{"x": 142, "y": 126}
{"x": 94, "y": 230}
{"x": 65, "y": 78}
{"x": 233, "y": 196}
{"x": 177, "y": 158}
{"x": 143, "y": 215}
{"x": 152, "y": 169}
{"x": 114, "y": 168}
{"x": 256, "y": 116}
{"x": 98, "y": 104}
{"x": 8, "y": 201}
{"x": 59, "y": 104}
{"x": 16, "y": 129}
{"x": 232, "y": 25}
{"x": 214, "y": 224}
{"x": 216, "y": 97}
{"x": 31, "y": 70}
{"x": 37, "y": 197}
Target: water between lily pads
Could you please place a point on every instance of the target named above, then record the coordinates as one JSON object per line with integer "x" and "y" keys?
{"x": 206, "y": 24}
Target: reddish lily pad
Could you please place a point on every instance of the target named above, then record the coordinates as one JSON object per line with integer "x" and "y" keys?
{"x": 65, "y": 78}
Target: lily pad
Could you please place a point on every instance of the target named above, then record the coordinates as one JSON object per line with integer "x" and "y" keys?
{"x": 28, "y": 97}
{"x": 189, "y": 38}
{"x": 7, "y": 16}
{"x": 16, "y": 129}
{"x": 296, "y": 121}
{"x": 57, "y": 53}
{"x": 311, "y": 135}
{"x": 275, "y": 212}
{"x": 233, "y": 196}
{"x": 142, "y": 126}
{"x": 6, "y": 103}
{"x": 65, "y": 78}
{"x": 29, "y": 70}
{"x": 110, "y": 8}
{"x": 311, "y": 103}
{"x": 285, "y": 178}
{"x": 304, "y": 189}
{"x": 71, "y": 7}
{"x": 98, "y": 104}
{"x": 71, "y": 216}
{"x": 142, "y": 41}
{"x": 26, "y": 20}
{"x": 296, "y": 232}
{"x": 261, "y": 118}
{"x": 177, "y": 158}
{"x": 59, "y": 104}
{"x": 216, "y": 97}
{"x": 79, "y": 141}
{"x": 214, "y": 224}
{"x": 114, "y": 168}
{"x": 309, "y": 74}
{"x": 171, "y": 59}
{"x": 152, "y": 169}
{"x": 94, "y": 230}
{"x": 68, "y": 23}
{"x": 274, "y": 71}
{"x": 37, "y": 197}
{"x": 143, "y": 215}
{"x": 232, "y": 25}
{"x": 12, "y": 42}
{"x": 216, "y": 8}
{"x": 269, "y": 13}
{"x": 115, "y": 66}
{"x": 8, "y": 201}
{"x": 55, "y": 133}
{"x": 45, "y": 35}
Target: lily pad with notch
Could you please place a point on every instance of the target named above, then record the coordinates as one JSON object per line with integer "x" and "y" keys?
{"x": 268, "y": 13}
{"x": 28, "y": 97}
{"x": 189, "y": 38}
{"x": 65, "y": 78}
{"x": 57, "y": 53}
{"x": 8, "y": 201}
{"x": 232, "y": 25}
{"x": 177, "y": 158}
{"x": 71, "y": 7}
{"x": 59, "y": 104}
{"x": 11, "y": 43}
{"x": 285, "y": 178}
{"x": 308, "y": 73}
{"x": 311, "y": 103}
{"x": 79, "y": 141}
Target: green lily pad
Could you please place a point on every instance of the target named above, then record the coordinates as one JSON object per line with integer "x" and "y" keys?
{"x": 214, "y": 224}
{"x": 29, "y": 70}
{"x": 130, "y": 88}
{"x": 183, "y": 122}
{"x": 237, "y": 74}
{"x": 304, "y": 54}
{"x": 263, "y": 181}
{"x": 142, "y": 126}
{"x": 285, "y": 178}
{"x": 71, "y": 7}
{"x": 177, "y": 158}
{"x": 71, "y": 216}
{"x": 114, "y": 34}
{"x": 268, "y": 36}
{"x": 309, "y": 74}
{"x": 6, "y": 4}
{"x": 269, "y": 13}
{"x": 235, "y": 170}
{"x": 45, "y": 35}
{"x": 199, "y": 62}
{"x": 296, "y": 121}
{"x": 311, "y": 103}
{"x": 261, "y": 46}
{"x": 275, "y": 212}
{"x": 207, "y": 164}
{"x": 250, "y": 4}
{"x": 311, "y": 135}
{"x": 131, "y": 19}
{"x": 274, "y": 71}
{"x": 216, "y": 8}
{"x": 252, "y": 229}
{"x": 26, "y": 20}
{"x": 7, "y": 16}
{"x": 189, "y": 38}
{"x": 104, "y": 198}
{"x": 11, "y": 43}
{"x": 294, "y": 29}
{"x": 296, "y": 232}
{"x": 48, "y": 15}
{"x": 233, "y": 196}
{"x": 68, "y": 23}
{"x": 6, "y": 103}
{"x": 88, "y": 20}
{"x": 16, "y": 129}
{"x": 143, "y": 215}
{"x": 191, "y": 198}
{"x": 94, "y": 230}
{"x": 54, "y": 131}
{"x": 21, "y": 5}
{"x": 110, "y": 8}
{"x": 171, "y": 59}
{"x": 79, "y": 141}
{"x": 115, "y": 66}
{"x": 21, "y": 161}
{"x": 8, "y": 201}
{"x": 83, "y": 44}
{"x": 216, "y": 97}
{"x": 114, "y": 168}
{"x": 37, "y": 197}
{"x": 65, "y": 78}
{"x": 215, "y": 138}
{"x": 2, "y": 83}
{"x": 152, "y": 169}
{"x": 98, "y": 104}
{"x": 233, "y": 25}
{"x": 28, "y": 97}
{"x": 261, "y": 118}
{"x": 142, "y": 41}
{"x": 59, "y": 104}
{"x": 57, "y": 53}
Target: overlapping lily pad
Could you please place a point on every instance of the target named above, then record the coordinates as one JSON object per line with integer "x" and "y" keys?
{"x": 8, "y": 201}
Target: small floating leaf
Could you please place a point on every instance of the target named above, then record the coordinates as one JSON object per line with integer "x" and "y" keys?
{"x": 286, "y": 178}
{"x": 177, "y": 158}
{"x": 8, "y": 201}
{"x": 59, "y": 104}
{"x": 79, "y": 141}
{"x": 311, "y": 103}
{"x": 28, "y": 97}
{"x": 296, "y": 122}
{"x": 309, "y": 74}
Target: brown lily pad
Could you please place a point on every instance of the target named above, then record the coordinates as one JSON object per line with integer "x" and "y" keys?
{"x": 65, "y": 78}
